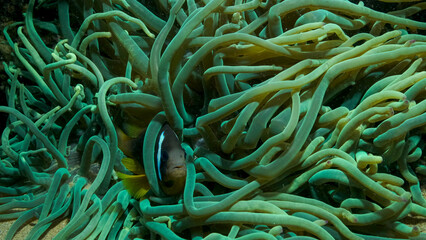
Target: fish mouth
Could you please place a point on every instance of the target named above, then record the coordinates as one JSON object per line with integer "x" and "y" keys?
{"x": 178, "y": 171}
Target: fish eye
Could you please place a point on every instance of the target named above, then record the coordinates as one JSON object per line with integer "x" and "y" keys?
{"x": 164, "y": 156}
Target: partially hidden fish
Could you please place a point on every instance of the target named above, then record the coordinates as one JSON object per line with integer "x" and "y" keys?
{"x": 169, "y": 160}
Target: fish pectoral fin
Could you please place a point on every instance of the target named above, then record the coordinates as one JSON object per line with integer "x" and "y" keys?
{"x": 133, "y": 166}
{"x": 136, "y": 185}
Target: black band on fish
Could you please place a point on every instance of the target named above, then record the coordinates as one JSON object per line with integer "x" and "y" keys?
{"x": 170, "y": 161}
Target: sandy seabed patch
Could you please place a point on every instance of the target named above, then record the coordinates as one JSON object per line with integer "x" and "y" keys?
{"x": 25, "y": 230}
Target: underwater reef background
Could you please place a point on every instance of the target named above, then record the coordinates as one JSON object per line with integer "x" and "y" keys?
{"x": 300, "y": 119}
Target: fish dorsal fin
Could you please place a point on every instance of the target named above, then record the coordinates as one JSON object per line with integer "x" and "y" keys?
{"x": 124, "y": 142}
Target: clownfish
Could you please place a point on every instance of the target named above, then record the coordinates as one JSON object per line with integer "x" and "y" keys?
{"x": 169, "y": 161}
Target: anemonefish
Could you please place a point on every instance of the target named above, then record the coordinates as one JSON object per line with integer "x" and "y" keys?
{"x": 169, "y": 160}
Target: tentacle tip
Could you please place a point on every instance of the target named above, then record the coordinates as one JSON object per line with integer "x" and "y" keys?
{"x": 351, "y": 218}
{"x": 404, "y": 198}
{"x": 391, "y": 111}
{"x": 151, "y": 35}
